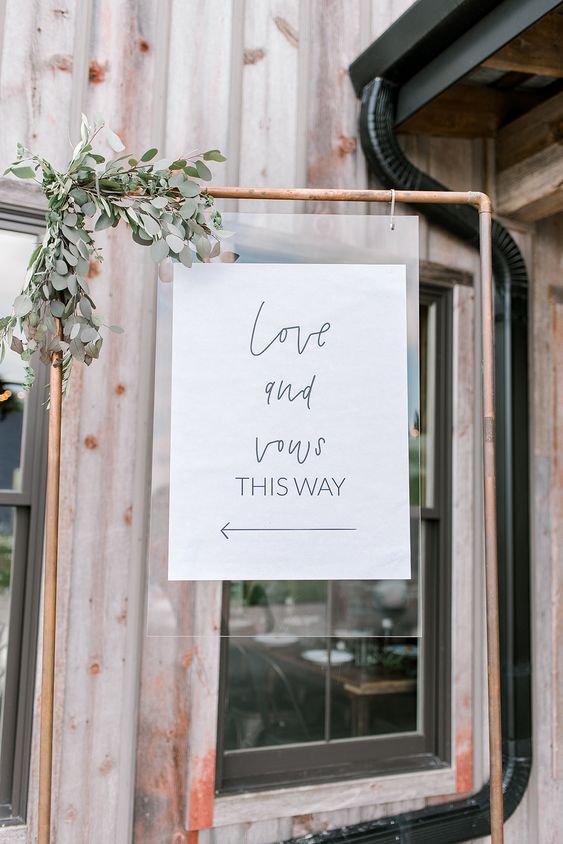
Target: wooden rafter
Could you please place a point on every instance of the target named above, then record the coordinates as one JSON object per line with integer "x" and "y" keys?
{"x": 536, "y": 51}
{"x": 469, "y": 111}
{"x": 529, "y": 156}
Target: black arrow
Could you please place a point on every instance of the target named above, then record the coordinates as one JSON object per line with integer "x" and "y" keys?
{"x": 231, "y": 529}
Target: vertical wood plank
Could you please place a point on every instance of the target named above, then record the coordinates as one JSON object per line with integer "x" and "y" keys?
{"x": 333, "y": 155}
{"x": 268, "y": 117}
{"x": 463, "y": 549}
{"x": 101, "y": 539}
{"x": 450, "y": 160}
{"x": 546, "y": 784}
{"x": 197, "y": 109}
{"x": 557, "y": 539}
{"x": 179, "y": 675}
{"x": 37, "y": 72}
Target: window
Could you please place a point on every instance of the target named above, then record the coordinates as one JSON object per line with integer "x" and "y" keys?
{"x": 373, "y": 698}
{"x": 22, "y": 471}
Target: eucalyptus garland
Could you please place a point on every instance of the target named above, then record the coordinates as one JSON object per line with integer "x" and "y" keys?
{"x": 165, "y": 206}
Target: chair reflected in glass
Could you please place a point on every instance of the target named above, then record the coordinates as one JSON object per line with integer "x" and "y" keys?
{"x": 266, "y": 705}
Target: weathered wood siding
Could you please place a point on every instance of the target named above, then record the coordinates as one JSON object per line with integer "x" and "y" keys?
{"x": 266, "y": 81}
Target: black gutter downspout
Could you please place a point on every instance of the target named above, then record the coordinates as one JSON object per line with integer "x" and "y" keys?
{"x": 469, "y": 818}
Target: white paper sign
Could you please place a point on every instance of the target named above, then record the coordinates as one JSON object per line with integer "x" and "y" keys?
{"x": 289, "y": 423}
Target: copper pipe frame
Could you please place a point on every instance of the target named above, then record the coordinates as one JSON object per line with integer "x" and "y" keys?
{"x": 46, "y": 720}
{"x": 482, "y": 202}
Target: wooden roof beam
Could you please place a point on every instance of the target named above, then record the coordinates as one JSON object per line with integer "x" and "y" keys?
{"x": 529, "y": 152}
{"x": 536, "y": 51}
{"x": 468, "y": 111}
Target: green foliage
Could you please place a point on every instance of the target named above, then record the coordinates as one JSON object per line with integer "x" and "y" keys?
{"x": 160, "y": 202}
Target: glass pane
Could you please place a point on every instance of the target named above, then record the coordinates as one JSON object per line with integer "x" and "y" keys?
{"x": 284, "y": 607}
{"x": 275, "y": 691}
{"x": 277, "y": 681}
{"x": 15, "y": 248}
{"x": 373, "y": 687}
{"x": 7, "y": 519}
{"x": 427, "y": 427}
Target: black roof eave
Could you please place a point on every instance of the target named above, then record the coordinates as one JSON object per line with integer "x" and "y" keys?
{"x": 411, "y": 52}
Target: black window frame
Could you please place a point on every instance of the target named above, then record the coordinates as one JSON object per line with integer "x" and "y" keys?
{"x": 29, "y": 508}
{"x": 430, "y": 749}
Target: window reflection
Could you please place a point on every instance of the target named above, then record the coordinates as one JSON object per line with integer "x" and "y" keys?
{"x": 428, "y": 315}
{"x": 16, "y": 249}
{"x": 292, "y": 681}
{"x": 6, "y": 557}
{"x": 285, "y": 690}
{"x": 312, "y": 661}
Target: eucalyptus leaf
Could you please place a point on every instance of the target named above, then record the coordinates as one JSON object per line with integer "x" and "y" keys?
{"x": 83, "y": 249}
{"x": 195, "y": 227}
{"x": 58, "y": 281}
{"x": 189, "y": 189}
{"x": 16, "y": 345}
{"x": 22, "y": 305}
{"x": 76, "y": 349}
{"x": 149, "y": 154}
{"x": 89, "y": 208}
{"x": 114, "y": 140}
{"x": 202, "y": 245}
{"x": 150, "y": 225}
{"x": 71, "y": 259}
{"x": 23, "y": 172}
{"x": 175, "y": 243}
{"x": 85, "y": 307}
{"x": 79, "y": 195}
{"x": 213, "y": 155}
{"x": 203, "y": 171}
{"x": 57, "y": 308}
{"x": 177, "y": 180}
{"x": 185, "y": 256}
{"x": 141, "y": 240}
{"x": 71, "y": 234}
{"x": 188, "y": 208}
{"x": 88, "y": 333}
{"x": 103, "y": 222}
{"x": 34, "y": 255}
{"x": 82, "y": 268}
{"x": 172, "y": 229}
{"x": 159, "y": 250}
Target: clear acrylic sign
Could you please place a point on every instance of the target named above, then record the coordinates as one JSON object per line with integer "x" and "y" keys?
{"x": 288, "y": 601}
{"x": 289, "y": 423}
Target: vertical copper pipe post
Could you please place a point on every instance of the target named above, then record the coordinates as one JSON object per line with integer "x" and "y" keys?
{"x": 491, "y": 562}
{"x": 50, "y": 601}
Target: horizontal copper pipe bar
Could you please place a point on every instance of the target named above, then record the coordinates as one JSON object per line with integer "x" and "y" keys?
{"x": 426, "y": 197}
